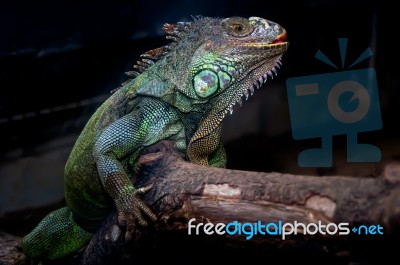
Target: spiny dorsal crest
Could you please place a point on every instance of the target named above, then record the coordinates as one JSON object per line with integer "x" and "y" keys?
{"x": 175, "y": 32}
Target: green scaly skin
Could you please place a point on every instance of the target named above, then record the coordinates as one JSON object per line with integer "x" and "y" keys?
{"x": 182, "y": 96}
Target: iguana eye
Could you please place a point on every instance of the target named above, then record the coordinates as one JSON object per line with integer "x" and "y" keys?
{"x": 237, "y": 26}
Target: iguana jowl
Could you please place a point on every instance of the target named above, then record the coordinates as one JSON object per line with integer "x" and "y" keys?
{"x": 181, "y": 92}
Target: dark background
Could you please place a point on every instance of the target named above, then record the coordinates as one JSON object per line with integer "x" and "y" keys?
{"x": 60, "y": 59}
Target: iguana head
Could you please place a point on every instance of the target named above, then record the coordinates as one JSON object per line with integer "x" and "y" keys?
{"x": 230, "y": 65}
{"x": 214, "y": 61}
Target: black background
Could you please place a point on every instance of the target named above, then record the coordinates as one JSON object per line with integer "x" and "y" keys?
{"x": 60, "y": 59}
{"x": 57, "y": 53}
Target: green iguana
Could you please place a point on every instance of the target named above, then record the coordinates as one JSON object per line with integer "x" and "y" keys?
{"x": 181, "y": 92}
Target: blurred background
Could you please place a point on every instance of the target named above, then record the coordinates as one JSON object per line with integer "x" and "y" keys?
{"x": 59, "y": 60}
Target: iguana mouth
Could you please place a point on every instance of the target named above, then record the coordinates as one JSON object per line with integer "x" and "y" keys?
{"x": 281, "y": 38}
{"x": 276, "y": 44}
{"x": 279, "y": 41}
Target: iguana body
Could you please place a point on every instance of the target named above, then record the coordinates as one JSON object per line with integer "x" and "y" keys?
{"x": 182, "y": 97}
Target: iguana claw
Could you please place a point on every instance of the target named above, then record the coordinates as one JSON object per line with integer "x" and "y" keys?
{"x": 132, "y": 210}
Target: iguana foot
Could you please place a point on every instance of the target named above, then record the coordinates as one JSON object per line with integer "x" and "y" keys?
{"x": 131, "y": 210}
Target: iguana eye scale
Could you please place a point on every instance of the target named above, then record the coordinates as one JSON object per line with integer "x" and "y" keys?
{"x": 205, "y": 83}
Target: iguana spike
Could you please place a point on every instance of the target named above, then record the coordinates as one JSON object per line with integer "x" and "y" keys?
{"x": 169, "y": 28}
{"x": 196, "y": 17}
{"x": 148, "y": 62}
{"x": 171, "y": 37}
{"x": 176, "y": 31}
{"x": 170, "y": 47}
{"x": 143, "y": 65}
{"x": 140, "y": 68}
{"x": 155, "y": 54}
{"x": 132, "y": 73}
{"x": 184, "y": 24}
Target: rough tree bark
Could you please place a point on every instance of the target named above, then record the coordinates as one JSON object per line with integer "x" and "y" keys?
{"x": 183, "y": 191}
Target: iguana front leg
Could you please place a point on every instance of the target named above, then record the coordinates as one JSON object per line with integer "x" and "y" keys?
{"x": 206, "y": 148}
{"x": 146, "y": 125}
{"x": 218, "y": 158}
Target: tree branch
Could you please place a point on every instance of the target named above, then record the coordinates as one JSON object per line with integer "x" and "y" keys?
{"x": 183, "y": 191}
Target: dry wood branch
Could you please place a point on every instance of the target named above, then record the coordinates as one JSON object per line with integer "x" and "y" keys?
{"x": 183, "y": 191}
